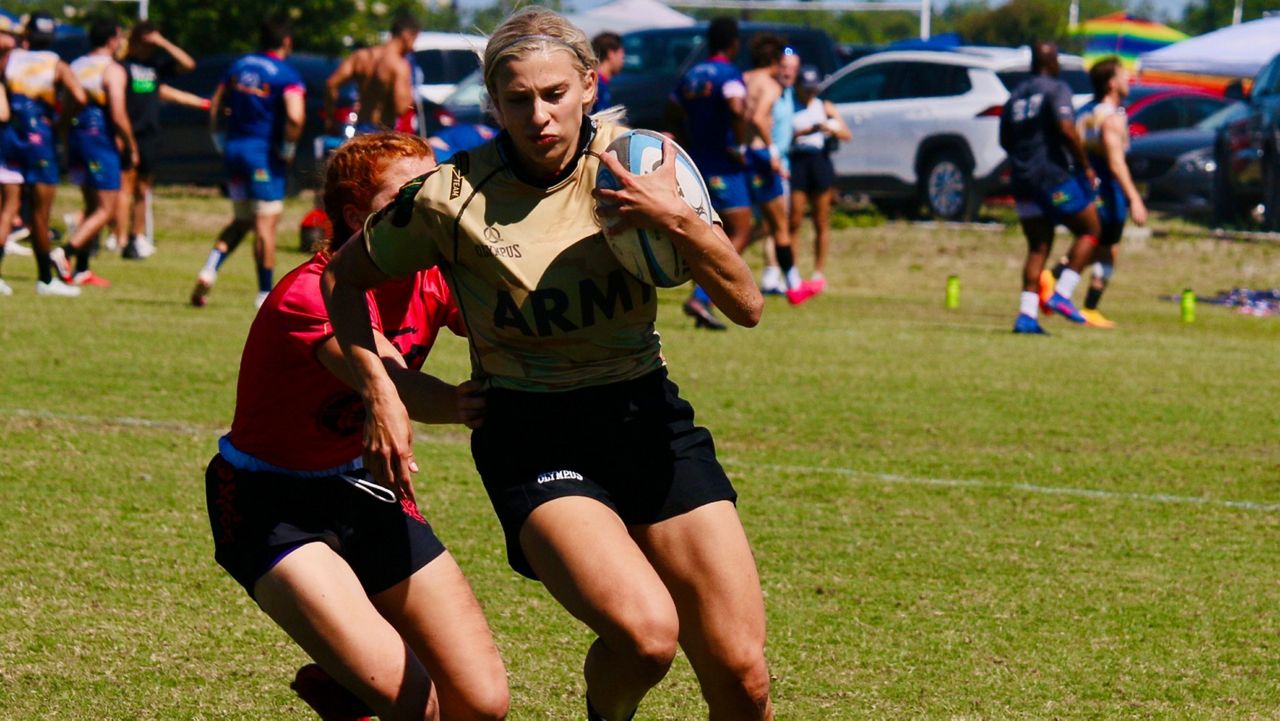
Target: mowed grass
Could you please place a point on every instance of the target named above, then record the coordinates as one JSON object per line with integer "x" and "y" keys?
{"x": 951, "y": 522}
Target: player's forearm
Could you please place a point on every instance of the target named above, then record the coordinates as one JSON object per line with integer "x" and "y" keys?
{"x": 170, "y": 94}
{"x": 125, "y": 131}
{"x": 427, "y": 398}
{"x": 718, "y": 269}
{"x": 353, "y": 329}
{"x": 1113, "y": 139}
{"x": 181, "y": 58}
{"x": 1120, "y": 171}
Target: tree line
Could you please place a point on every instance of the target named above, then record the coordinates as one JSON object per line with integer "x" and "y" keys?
{"x": 336, "y": 26}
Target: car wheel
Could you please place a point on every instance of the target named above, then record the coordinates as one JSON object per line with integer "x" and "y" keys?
{"x": 947, "y": 187}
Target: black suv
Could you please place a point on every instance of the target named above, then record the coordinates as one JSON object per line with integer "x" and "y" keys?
{"x": 656, "y": 59}
{"x": 1248, "y": 155}
{"x": 187, "y": 155}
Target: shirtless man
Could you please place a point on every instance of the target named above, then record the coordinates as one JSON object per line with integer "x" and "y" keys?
{"x": 764, "y": 159}
{"x": 384, "y": 80}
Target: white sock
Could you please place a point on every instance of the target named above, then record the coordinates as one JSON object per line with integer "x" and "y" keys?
{"x": 771, "y": 277}
{"x": 793, "y": 277}
{"x": 1067, "y": 283}
{"x": 211, "y": 263}
{"x": 1029, "y": 304}
{"x": 817, "y": 275}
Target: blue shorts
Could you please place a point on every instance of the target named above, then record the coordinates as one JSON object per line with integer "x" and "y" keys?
{"x": 254, "y": 170}
{"x": 765, "y": 183}
{"x": 95, "y": 162}
{"x": 36, "y": 155}
{"x": 1113, "y": 207}
{"x": 1057, "y": 203}
{"x": 729, "y": 191}
{"x": 10, "y": 161}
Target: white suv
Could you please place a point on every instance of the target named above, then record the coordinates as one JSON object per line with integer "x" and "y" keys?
{"x": 925, "y": 123}
{"x": 444, "y": 59}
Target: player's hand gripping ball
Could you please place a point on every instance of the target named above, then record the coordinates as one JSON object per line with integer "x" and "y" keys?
{"x": 649, "y": 254}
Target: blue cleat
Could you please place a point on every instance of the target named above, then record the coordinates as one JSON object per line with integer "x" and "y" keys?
{"x": 1029, "y": 325}
{"x": 1064, "y": 307}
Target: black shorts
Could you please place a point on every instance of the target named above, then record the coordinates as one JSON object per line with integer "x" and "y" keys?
{"x": 630, "y": 445}
{"x": 812, "y": 172}
{"x": 148, "y": 147}
{"x": 1111, "y": 233}
{"x": 259, "y": 518}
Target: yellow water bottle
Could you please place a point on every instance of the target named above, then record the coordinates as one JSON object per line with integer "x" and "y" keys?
{"x": 953, "y": 292}
{"x": 1188, "y": 306}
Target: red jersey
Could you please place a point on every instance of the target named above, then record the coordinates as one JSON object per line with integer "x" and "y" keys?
{"x": 291, "y": 412}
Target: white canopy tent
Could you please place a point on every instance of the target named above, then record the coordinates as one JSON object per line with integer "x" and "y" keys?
{"x": 1237, "y": 51}
{"x": 621, "y": 16}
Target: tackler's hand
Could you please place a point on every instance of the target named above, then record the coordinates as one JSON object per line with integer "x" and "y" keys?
{"x": 388, "y": 444}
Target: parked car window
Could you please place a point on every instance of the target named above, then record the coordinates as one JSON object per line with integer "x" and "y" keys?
{"x": 861, "y": 85}
{"x": 658, "y": 53}
{"x": 1266, "y": 78}
{"x": 1077, "y": 80}
{"x": 446, "y": 67}
{"x": 1200, "y": 108}
{"x": 470, "y": 91}
{"x": 1225, "y": 115}
{"x": 1161, "y": 115}
{"x": 1273, "y": 87}
{"x": 930, "y": 80}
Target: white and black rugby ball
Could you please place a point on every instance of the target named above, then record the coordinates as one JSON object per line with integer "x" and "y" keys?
{"x": 650, "y": 255}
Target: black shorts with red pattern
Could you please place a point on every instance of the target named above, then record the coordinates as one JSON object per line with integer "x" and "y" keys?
{"x": 258, "y": 518}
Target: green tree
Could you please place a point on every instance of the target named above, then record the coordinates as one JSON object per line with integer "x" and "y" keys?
{"x": 231, "y": 26}
{"x": 1203, "y": 16}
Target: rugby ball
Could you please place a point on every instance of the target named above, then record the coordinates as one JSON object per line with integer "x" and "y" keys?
{"x": 650, "y": 255}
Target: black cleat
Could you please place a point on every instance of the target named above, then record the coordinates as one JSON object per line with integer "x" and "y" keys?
{"x": 702, "y": 315}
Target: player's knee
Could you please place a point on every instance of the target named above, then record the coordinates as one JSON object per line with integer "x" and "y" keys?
{"x": 653, "y": 639}
{"x": 746, "y": 670}
{"x": 490, "y": 704}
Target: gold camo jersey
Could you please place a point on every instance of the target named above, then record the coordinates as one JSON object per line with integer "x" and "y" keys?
{"x": 547, "y": 306}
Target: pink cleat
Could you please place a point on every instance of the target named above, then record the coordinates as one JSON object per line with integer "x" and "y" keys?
{"x": 807, "y": 289}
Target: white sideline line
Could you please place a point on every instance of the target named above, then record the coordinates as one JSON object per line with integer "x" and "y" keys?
{"x": 1024, "y": 487}
{"x": 128, "y": 421}
{"x": 1167, "y": 498}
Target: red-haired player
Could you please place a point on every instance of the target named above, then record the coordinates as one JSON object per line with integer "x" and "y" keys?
{"x": 354, "y": 575}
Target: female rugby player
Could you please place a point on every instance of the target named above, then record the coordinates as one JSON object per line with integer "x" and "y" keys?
{"x": 352, "y": 573}
{"x": 606, "y": 490}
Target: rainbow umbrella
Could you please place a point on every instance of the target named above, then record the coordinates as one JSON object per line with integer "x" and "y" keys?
{"x": 1124, "y": 36}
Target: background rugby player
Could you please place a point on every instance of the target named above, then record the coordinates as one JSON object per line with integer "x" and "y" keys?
{"x": 100, "y": 135}
{"x": 262, "y": 100}
{"x": 34, "y": 76}
{"x": 1052, "y": 183}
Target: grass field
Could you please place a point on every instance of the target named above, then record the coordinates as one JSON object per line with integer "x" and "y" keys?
{"x": 951, "y": 522}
